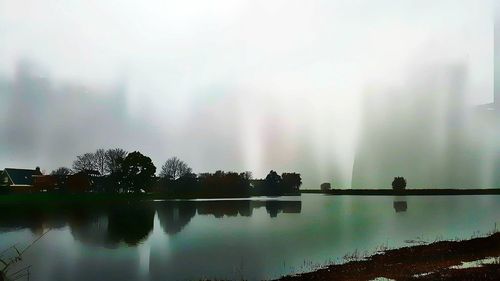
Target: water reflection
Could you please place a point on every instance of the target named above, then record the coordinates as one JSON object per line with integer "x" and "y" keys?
{"x": 233, "y": 239}
{"x": 400, "y": 205}
{"x": 174, "y": 216}
{"x": 110, "y": 225}
{"x": 276, "y": 207}
{"x": 130, "y": 224}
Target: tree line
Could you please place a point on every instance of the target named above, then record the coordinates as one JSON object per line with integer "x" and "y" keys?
{"x": 116, "y": 170}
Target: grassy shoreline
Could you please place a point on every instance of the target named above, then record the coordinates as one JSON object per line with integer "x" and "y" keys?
{"x": 407, "y": 192}
{"x": 435, "y": 261}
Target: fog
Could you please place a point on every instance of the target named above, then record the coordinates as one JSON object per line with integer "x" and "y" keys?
{"x": 316, "y": 87}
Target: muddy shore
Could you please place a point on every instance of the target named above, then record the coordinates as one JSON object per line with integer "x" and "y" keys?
{"x": 435, "y": 261}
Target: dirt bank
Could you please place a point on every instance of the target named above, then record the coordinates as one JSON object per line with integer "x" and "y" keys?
{"x": 423, "y": 262}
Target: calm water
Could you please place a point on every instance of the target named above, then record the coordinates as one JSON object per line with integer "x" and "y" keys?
{"x": 251, "y": 239}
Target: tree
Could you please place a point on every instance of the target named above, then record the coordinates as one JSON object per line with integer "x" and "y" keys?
{"x": 273, "y": 178}
{"x": 174, "y": 168}
{"x": 137, "y": 171}
{"x": 100, "y": 160}
{"x": 291, "y": 181}
{"x": 326, "y": 186}
{"x": 399, "y": 183}
{"x": 224, "y": 184}
{"x": 61, "y": 171}
{"x": 273, "y": 183}
{"x": 84, "y": 162}
{"x": 114, "y": 158}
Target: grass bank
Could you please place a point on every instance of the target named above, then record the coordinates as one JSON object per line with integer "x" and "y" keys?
{"x": 407, "y": 192}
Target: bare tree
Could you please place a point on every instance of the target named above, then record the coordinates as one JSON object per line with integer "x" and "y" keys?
{"x": 114, "y": 158}
{"x": 100, "y": 160}
{"x": 84, "y": 162}
{"x": 61, "y": 171}
{"x": 174, "y": 168}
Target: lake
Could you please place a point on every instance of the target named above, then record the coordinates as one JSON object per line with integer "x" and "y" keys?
{"x": 254, "y": 239}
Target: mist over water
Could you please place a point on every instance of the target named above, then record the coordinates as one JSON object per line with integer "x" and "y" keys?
{"x": 318, "y": 87}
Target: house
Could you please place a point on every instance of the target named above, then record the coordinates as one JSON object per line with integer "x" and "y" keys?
{"x": 83, "y": 181}
{"x": 18, "y": 179}
{"x": 45, "y": 182}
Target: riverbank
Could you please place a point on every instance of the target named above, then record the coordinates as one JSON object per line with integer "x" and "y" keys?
{"x": 407, "y": 192}
{"x": 473, "y": 259}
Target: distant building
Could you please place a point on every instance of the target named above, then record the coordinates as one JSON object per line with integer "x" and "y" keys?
{"x": 326, "y": 186}
{"x": 18, "y": 179}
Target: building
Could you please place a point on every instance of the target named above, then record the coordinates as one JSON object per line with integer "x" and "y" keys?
{"x": 46, "y": 182}
{"x": 18, "y": 179}
{"x": 85, "y": 181}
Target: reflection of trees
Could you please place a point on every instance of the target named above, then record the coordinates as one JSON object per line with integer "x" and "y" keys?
{"x": 273, "y": 208}
{"x": 174, "y": 216}
{"x": 33, "y": 217}
{"x": 130, "y": 223}
{"x": 400, "y": 206}
{"x": 16, "y": 217}
{"x": 233, "y": 208}
{"x": 108, "y": 225}
{"x": 230, "y": 208}
{"x": 89, "y": 226}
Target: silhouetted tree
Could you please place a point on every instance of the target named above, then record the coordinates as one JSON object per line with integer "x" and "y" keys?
{"x": 137, "y": 171}
{"x": 326, "y": 186}
{"x": 291, "y": 182}
{"x": 273, "y": 183}
{"x": 114, "y": 157}
{"x": 174, "y": 168}
{"x": 399, "y": 183}
{"x": 100, "y": 160}
{"x": 84, "y": 162}
{"x": 224, "y": 184}
{"x": 61, "y": 171}
{"x": 273, "y": 178}
{"x": 187, "y": 183}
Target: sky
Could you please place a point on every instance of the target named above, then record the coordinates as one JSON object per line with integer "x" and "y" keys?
{"x": 224, "y": 84}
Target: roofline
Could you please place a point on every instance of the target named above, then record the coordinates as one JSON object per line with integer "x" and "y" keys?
{"x": 5, "y": 171}
{"x": 19, "y": 169}
{"x": 13, "y": 183}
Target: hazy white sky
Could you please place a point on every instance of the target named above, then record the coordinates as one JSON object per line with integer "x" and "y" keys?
{"x": 248, "y": 85}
